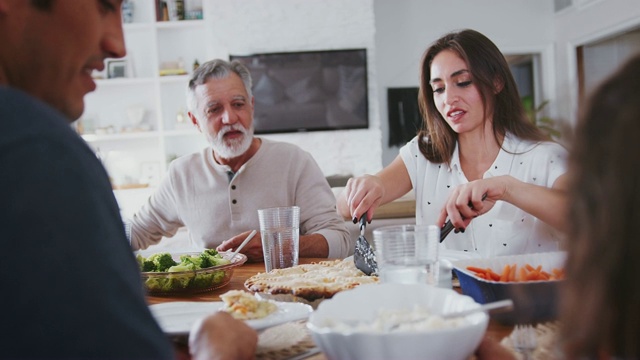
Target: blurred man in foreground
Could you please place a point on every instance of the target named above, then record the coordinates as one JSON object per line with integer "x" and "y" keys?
{"x": 71, "y": 284}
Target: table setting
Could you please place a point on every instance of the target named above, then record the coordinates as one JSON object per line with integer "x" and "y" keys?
{"x": 410, "y": 283}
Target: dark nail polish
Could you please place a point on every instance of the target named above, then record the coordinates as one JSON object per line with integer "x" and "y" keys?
{"x": 355, "y": 220}
{"x": 462, "y": 230}
{"x": 456, "y": 231}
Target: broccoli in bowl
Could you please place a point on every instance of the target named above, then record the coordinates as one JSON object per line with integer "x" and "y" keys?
{"x": 165, "y": 273}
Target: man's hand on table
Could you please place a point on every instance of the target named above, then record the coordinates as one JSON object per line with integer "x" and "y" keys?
{"x": 311, "y": 246}
{"x": 221, "y": 337}
{"x": 253, "y": 249}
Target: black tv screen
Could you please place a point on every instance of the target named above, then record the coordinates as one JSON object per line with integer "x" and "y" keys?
{"x": 309, "y": 91}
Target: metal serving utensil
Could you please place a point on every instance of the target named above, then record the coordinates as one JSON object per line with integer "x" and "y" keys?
{"x": 363, "y": 256}
{"x": 502, "y": 305}
{"x": 448, "y": 226}
{"x": 506, "y": 304}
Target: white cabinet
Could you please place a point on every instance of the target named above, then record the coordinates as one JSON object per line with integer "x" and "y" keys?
{"x": 136, "y": 120}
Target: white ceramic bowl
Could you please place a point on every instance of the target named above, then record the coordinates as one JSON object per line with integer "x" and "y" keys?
{"x": 364, "y": 303}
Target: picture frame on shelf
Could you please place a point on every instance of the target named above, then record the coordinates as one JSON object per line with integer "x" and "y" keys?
{"x": 117, "y": 68}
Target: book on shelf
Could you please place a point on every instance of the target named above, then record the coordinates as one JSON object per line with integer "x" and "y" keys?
{"x": 170, "y": 10}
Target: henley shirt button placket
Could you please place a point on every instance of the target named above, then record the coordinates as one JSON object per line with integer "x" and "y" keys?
{"x": 234, "y": 201}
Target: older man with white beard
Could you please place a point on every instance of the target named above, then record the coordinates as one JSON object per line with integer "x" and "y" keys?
{"x": 217, "y": 191}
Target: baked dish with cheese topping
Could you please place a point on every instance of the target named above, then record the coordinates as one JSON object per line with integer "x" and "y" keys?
{"x": 310, "y": 282}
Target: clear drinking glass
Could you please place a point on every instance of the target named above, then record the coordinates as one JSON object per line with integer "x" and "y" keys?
{"x": 280, "y": 231}
{"x": 407, "y": 254}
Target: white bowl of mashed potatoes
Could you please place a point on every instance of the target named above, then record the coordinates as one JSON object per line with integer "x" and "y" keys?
{"x": 397, "y": 321}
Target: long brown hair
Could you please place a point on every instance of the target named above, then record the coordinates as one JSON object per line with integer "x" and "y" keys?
{"x": 488, "y": 67}
{"x": 601, "y": 302}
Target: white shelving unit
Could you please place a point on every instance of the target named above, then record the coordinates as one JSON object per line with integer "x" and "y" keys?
{"x": 132, "y": 122}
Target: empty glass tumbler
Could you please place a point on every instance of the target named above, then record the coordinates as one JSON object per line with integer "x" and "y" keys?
{"x": 407, "y": 254}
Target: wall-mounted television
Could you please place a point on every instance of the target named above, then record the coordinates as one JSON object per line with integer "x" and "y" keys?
{"x": 309, "y": 90}
{"x": 405, "y": 119}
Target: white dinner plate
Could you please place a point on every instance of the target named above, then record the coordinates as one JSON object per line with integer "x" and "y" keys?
{"x": 176, "y": 318}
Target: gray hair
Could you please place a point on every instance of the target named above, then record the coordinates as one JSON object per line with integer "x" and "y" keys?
{"x": 216, "y": 69}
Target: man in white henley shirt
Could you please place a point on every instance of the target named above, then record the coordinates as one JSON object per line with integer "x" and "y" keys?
{"x": 217, "y": 191}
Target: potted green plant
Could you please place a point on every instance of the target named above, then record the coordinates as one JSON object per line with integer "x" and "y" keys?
{"x": 543, "y": 122}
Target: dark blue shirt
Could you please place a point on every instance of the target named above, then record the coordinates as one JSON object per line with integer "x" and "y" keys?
{"x": 70, "y": 283}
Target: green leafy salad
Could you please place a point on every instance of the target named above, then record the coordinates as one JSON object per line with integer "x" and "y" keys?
{"x": 186, "y": 271}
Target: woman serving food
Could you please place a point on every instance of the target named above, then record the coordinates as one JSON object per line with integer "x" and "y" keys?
{"x": 476, "y": 142}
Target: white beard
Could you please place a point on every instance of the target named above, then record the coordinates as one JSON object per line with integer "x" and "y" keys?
{"x": 232, "y": 148}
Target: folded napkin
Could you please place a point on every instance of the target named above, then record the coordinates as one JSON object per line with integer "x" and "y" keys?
{"x": 284, "y": 341}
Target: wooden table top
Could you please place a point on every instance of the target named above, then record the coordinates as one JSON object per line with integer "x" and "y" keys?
{"x": 241, "y": 273}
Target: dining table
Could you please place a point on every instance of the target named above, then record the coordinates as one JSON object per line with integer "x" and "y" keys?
{"x": 242, "y": 273}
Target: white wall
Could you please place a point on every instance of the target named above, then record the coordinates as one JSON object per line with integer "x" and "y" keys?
{"x": 405, "y": 28}
{"x": 250, "y": 26}
{"x": 396, "y": 33}
{"x": 587, "y": 21}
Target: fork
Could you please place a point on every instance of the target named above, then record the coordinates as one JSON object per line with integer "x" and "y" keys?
{"x": 524, "y": 340}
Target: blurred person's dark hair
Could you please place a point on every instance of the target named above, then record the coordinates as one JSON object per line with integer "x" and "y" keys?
{"x": 42, "y": 4}
{"x": 601, "y": 302}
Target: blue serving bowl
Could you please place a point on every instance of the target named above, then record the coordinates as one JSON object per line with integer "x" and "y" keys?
{"x": 533, "y": 301}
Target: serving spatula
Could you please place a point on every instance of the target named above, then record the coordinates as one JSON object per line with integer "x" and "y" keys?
{"x": 364, "y": 256}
